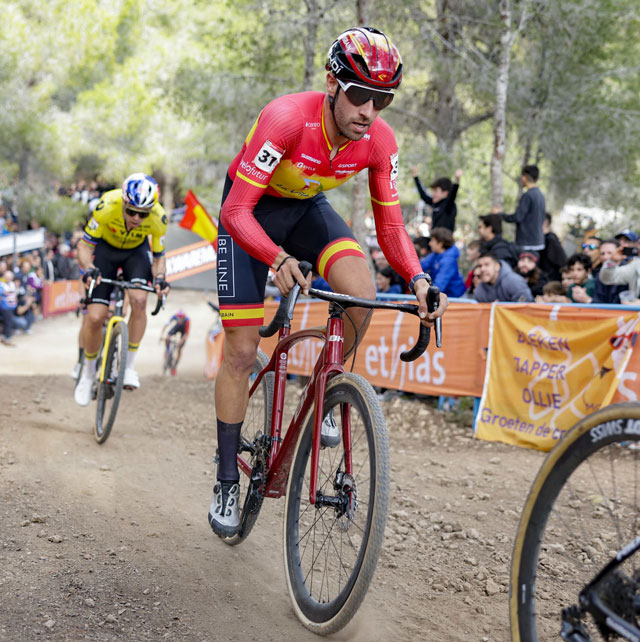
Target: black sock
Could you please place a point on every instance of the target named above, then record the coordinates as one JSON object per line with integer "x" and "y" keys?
{"x": 228, "y": 440}
{"x": 80, "y": 353}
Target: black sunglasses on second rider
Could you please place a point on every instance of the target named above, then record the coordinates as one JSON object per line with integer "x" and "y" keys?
{"x": 132, "y": 212}
{"x": 360, "y": 94}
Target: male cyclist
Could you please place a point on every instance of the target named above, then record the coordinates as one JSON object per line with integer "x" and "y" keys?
{"x": 274, "y": 214}
{"x": 116, "y": 236}
{"x": 179, "y": 322}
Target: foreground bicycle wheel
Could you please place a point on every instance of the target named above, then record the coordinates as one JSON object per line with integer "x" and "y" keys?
{"x": 583, "y": 507}
{"x": 256, "y": 423}
{"x": 331, "y": 550}
{"x": 110, "y": 389}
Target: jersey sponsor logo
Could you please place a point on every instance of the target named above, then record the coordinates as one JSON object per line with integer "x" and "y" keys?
{"x": 268, "y": 157}
{"x": 308, "y": 124}
{"x": 348, "y": 172}
{"x": 100, "y": 204}
{"x": 162, "y": 238}
{"x": 93, "y": 224}
{"x": 249, "y": 170}
{"x": 311, "y": 158}
{"x": 393, "y": 159}
{"x": 348, "y": 165}
{"x": 367, "y": 137}
{"x": 301, "y": 165}
{"x": 165, "y": 220}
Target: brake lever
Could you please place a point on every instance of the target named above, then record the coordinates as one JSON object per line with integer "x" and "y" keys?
{"x": 433, "y": 302}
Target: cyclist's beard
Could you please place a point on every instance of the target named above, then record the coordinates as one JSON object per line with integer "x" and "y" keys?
{"x": 342, "y": 122}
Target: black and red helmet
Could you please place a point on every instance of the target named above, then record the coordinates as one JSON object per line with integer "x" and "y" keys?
{"x": 367, "y": 56}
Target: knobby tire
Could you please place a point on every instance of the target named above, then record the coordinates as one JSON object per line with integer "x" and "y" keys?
{"x": 583, "y": 506}
{"x": 110, "y": 389}
{"x": 330, "y": 558}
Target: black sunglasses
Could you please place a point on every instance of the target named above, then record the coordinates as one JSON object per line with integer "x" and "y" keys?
{"x": 359, "y": 95}
{"x": 136, "y": 213}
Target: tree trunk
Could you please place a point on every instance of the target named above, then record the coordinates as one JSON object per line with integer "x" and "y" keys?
{"x": 313, "y": 19}
{"x": 359, "y": 199}
{"x": 500, "y": 115}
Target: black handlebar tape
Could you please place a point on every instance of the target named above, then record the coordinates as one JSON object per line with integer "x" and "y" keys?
{"x": 421, "y": 345}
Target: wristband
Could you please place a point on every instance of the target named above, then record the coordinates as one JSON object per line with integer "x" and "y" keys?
{"x": 284, "y": 260}
{"x": 417, "y": 277}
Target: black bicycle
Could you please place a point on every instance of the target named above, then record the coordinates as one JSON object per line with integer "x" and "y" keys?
{"x": 107, "y": 386}
{"x": 575, "y": 574}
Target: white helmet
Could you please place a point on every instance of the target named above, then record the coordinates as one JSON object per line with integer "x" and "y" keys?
{"x": 140, "y": 192}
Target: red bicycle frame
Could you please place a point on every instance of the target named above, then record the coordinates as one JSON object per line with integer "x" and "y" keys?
{"x": 328, "y": 364}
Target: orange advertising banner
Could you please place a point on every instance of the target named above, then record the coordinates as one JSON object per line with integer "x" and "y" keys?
{"x": 61, "y": 296}
{"x": 545, "y": 372}
{"x": 455, "y": 369}
{"x": 189, "y": 260}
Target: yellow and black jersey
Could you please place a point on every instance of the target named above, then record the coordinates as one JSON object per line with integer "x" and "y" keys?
{"x": 108, "y": 223}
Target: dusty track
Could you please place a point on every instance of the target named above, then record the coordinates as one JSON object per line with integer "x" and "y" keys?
{"x": 112, "y": 543}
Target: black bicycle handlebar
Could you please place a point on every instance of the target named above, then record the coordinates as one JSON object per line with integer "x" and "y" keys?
{"x": 130, "y": 285}
{"x": 285, "y": 312}
{"x": 285, "y": 309}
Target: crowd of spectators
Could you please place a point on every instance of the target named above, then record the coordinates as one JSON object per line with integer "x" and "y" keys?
{"x": 23, "y": 274}
{"x": 534, "y": 267}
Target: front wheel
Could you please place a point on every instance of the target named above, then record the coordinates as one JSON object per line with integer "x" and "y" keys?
{"x": 583, "y": 507}
{"x": 331, "y": 548}
{"x": 110, "y": 388}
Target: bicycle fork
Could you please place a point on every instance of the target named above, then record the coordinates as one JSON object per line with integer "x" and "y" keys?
{"x": 105, "y": 351}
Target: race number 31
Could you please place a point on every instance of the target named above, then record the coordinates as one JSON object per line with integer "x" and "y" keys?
{"x": 267, "y": 158}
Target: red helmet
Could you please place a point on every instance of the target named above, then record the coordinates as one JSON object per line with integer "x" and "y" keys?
{"x": 366, "y": 55}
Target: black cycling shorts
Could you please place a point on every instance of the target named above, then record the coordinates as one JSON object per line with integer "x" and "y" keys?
{"x": 309, "y": 229}
{"x": 181, "y": 328}
{"x": 135, "y": 264}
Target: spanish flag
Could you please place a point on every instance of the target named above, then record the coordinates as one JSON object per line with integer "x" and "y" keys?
{"x": 198, "y": 220}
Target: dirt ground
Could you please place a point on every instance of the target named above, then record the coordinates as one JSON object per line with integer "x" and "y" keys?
{"x": 112, "y": 542}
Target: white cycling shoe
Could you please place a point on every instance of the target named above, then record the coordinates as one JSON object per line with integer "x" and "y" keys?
{"x": 76, "y": 370}
{"x": 131, "y": 379}
{"x": 330, "y": 435}
{"x": 82, "y": 393}
{"x": 224, "y": 513}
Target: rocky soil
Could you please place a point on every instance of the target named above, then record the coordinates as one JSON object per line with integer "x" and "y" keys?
{"x": 112, "y": 542}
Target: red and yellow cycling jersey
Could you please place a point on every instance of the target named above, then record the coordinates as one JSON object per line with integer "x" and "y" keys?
{"x": 287, "y": 154}
{"x": 108, "y": 223}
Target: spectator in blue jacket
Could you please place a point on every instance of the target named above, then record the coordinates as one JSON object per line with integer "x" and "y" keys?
{"x": 498, "y": 282}
{"x": 442, "y": 263}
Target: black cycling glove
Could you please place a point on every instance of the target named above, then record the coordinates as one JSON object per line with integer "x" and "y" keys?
{"x": 91, "y": 274}
{"x": 160, "y": 280}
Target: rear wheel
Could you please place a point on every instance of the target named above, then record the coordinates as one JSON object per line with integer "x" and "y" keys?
{"x": 583, "y": 507}
{"x": 110, "y": 389}
{"x": 257, "y": 423}
{"x": 331, "y": 548}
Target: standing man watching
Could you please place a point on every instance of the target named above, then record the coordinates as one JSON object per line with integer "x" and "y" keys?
{"x": 275, "y": 214}
{"x": 529, "y": 215}
{"x": 117, "y": 236}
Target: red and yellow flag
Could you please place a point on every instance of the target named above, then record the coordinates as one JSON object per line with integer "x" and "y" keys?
{"x": 197, "y": 219}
